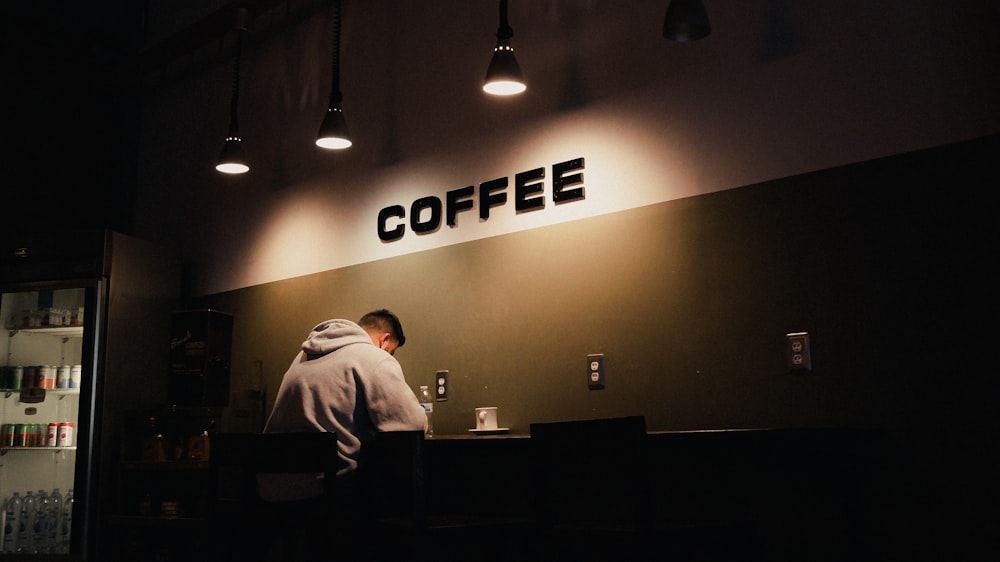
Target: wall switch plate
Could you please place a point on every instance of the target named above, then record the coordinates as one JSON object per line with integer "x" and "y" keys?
{"x": 441, "y": 386}
{"x": 595, "y": 371}
{"x": 799, "y": 354}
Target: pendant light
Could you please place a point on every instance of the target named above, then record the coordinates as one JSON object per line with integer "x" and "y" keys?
{"x": 333, "y": 132}
{"x": 686, "y": 20}
{"x": 231, "y": 159}
{"x": 503, "y": 78}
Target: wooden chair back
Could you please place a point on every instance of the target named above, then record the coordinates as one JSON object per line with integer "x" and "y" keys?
{"x": 591, "y": 482}
{"x": 242, "y": 521}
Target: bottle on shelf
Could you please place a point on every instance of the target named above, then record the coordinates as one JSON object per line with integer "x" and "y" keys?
{"x": 26, "y": 524}
{"x": 154, "y": 447}
{"x": 428, "y": 405}
{"x": 40, "y": 528}
{"x": 55, "y": 520}
{"x": 67, "y": 522}
{"x": 11, "y": 525}
{"x": 198, "y": 447}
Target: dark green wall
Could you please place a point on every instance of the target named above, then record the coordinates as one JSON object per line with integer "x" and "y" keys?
{"x": 882, "y": 262}
{"x": 689, "y": 301}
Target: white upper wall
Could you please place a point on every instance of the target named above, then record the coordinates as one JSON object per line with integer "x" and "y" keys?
{"x": 778, "y": 88}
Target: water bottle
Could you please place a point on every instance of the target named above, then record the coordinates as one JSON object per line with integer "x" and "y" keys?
{"x": 26, "y": 524}
{"x": 12, "y": 513}
{"x": 40, "y": 528}
{"x": 55, "y": 521}
{"x": 67, "y": 522}
{"x": 428, "y": 404}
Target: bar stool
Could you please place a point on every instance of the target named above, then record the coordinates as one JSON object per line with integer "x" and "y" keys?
{"x": 591, "y": 488}
{"x": 245, "y": 526}
{"x": 408, "y": 529}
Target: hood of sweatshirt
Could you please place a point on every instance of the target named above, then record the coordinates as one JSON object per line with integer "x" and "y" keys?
{"x": 331, "y": 335}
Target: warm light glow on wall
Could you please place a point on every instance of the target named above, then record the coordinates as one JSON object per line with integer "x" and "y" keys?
{"x": 315, "y": 230}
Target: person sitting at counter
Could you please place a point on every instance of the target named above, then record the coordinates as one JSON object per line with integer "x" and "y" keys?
{"x": 344, "y": 380}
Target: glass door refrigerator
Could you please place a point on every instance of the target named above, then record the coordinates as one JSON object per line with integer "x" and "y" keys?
{"x": 85, "y": 318}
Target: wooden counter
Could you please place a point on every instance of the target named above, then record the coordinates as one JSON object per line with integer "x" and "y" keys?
{"x": 791, "y": 492}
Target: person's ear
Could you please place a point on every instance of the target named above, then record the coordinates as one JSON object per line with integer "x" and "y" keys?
{"x": 383, "y": 339}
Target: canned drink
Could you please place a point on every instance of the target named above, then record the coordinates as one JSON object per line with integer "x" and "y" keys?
{"x": 41, "y": 373}
{"x": 29, "y": 376}
{"x": 74, "y": 376}
{"x": 53, "y": 437}
{"x": 31, "y": 435}
{"x": 7, "y": 435}
{"x": 16, "y": 376}
{"x": 65, "y": 434}
{"x": 49, "y": 380}
{"x": 62, "y": 376}
{"x": 20, "y": 437}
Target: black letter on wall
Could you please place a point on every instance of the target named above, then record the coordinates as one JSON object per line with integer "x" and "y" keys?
{"x": 432, "y": 203}
{"x": 522, "y": 189}
{"x": 487, "y": 199}
{"x": 383, "y": 216}
{"x": 559, "y": 182}
{"x": 457, "y": 200}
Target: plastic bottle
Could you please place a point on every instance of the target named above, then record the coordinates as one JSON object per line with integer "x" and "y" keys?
{"x": 26, "y": 524}
{"x": 11, "y": 526}
{"x": 428, "y": 404}
{"x": 67, "y": 522}
{"x": 40, "y": 528}
{"x": 55, "y": 520}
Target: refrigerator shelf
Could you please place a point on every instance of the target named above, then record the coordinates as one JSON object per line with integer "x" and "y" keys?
{"x": 166, "y": 465}
{"x": 29, "y": 397}
{"x": 47, "y": 390}
{"x": 4, "y": 450}
{"x": 68, "y": 331}
{"x": 157, "y": 521}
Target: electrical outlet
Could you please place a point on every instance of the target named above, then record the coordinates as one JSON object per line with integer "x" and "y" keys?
{"x": 441, "y": 386}
{"x": 595, "y": 371}
{"x": 799, "y": 354}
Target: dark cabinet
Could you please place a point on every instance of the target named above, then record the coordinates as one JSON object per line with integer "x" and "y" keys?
{"x": 200, "y": 348}
{"x": 162, "y": 484}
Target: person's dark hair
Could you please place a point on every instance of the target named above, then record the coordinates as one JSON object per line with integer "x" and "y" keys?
{"x": 384, "y": 321}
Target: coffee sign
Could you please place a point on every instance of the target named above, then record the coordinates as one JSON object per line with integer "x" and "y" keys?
{"x": 529, "y": 195}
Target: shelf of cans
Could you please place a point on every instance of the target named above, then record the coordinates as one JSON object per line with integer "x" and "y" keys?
{"x": 47, "y": 318}
{"x": 53, "y": 435}
{"x": 52, "y": 377}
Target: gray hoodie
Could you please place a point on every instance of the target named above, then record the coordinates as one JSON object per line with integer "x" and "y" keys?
{"x": 341, "y": 382}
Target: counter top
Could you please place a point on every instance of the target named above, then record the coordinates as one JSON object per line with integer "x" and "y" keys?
{"x": 473, "y": 436}
{"x": 693, "y": 433}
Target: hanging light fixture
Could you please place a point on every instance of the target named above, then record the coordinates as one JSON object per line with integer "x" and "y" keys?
{"x": 686, "y": 20}
{"x": 231, "y": 159}
{"x": 503, "y": 78}
{"x": 333, "y": 132}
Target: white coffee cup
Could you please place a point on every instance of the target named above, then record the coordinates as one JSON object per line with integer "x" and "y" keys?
{"x": 486, "y": 418}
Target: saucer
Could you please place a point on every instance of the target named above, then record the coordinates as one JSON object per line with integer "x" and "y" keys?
{"x": 496, "y": 431}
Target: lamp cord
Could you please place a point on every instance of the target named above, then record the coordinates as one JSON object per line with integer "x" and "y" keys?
{"x": 335, "y": 95}
{"x": 234, "y": 103}
{"x": 504, "y": 31}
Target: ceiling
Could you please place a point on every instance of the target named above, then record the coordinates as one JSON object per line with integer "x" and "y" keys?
{"x": 212, "y": 37}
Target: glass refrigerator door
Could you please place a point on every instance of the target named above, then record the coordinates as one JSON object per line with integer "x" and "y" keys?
{"x": 42, "y": 359}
